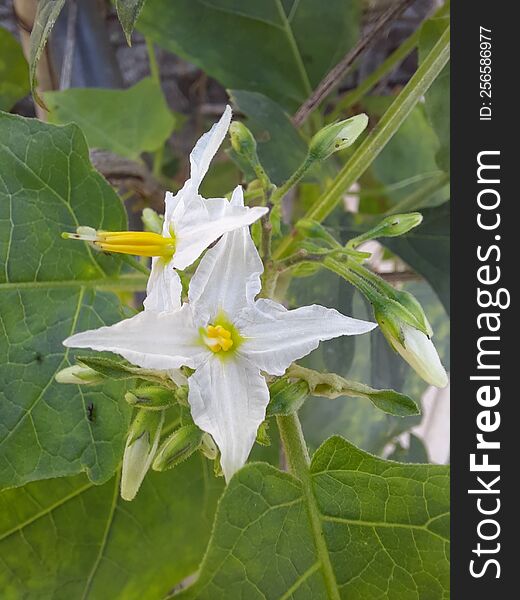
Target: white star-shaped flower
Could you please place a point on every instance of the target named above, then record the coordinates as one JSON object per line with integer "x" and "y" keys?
{"x": 229, "y": 338}
{"x": 191, "y": 224}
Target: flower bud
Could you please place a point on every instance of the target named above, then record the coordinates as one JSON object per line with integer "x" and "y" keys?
{"x": 396, "y": 225}
{"x": 141, "y": 447}
{"x": 242, "y": 140}
{"x": 151, "y": 397}
{"x": 152, "y": 221}
{"x": 178, "y": 447}
{"x": 79, "y": 375}
{"x": 415, "y": 347}
{"x": 337, "y": 136}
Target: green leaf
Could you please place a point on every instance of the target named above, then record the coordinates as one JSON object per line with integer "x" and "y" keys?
{"x": 46, "y": 14}
{"x": 280, "y": 49}
{"x": 128, "y": 12}
{"x": 427, "y": 250}
{"x": 385, "y": 526}
{"x": 46, "y": 293}
{"x": 127, "y": 122}
{"x": 415, "y": 453}
{"x": 14, "y": 71}
{"x": 67, "y": 538}
{"x": 281, "y": 149}
{"x": 437, "y": 99}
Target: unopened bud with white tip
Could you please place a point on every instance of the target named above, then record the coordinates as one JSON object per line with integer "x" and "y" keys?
{"x": 141, "y": 447}
{"x": 78, "y": 375}
{"x": 415, "y": 346}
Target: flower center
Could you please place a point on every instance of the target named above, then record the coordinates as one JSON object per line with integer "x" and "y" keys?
{"x": 217, "y": 338}
{"x": 138, "y": 243}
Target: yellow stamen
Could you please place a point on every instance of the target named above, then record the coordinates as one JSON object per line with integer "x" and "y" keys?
{"x": 218, "y": 338}
{"x": 138, "y": 243}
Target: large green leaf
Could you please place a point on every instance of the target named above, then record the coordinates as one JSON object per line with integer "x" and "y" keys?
{"x": 437, "y": 99}
{"x": 385, "y": 527}
{"x": 14, "y": 71}
{"x": 127, "y": 122}
{"x": 46, "y": 293}
{"x": 69, "y": 539}
{"x": 46, "y": 14}
{"x": 281, "y": 149}
{"x": 281, "y": 49}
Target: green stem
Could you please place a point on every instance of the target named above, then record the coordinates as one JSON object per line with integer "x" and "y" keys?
{"x": 374, "y": 143}
{"x": 299, "y": 462}
{"x": 152, "y": 59}
{"x": 280, "y": 192}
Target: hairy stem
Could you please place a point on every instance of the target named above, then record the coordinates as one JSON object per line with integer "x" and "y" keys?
{"x": 299, "y": 461}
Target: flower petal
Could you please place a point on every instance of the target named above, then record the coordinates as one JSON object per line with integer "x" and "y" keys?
{"x": 202, "y": 225}
{"x": 164, "y": 288}
{"x": 228, "y": 399}
{"x": 227, "y": 278}
{"x": 150, "y": 340}
{"x": 207, "y": 146}
{"x": 275, "y": 336}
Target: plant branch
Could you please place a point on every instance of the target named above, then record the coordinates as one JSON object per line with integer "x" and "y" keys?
{"x": 299, "y": 462}
{"x": 333, "y": 77}
{"x": 377, "y": 139}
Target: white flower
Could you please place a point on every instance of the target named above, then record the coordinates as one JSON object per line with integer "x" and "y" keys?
{"x": 191, "y": 224}
{"x": 418, "y": 350}
{"x": 228, "y": 338}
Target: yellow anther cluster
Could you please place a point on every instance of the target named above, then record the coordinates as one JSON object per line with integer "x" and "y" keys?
{"x": 138, "y": 243}
{"x": 218, "y": 338}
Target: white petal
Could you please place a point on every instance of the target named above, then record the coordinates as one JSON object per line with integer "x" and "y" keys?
{"x": 202, "y": 225}
{"x": 207, "y": 146}
{"x": 228, "y": 399}
{"x": 227, "y": 278}
{"x": 421, "y": 354}
{"x": 164, "y": 288}
{"x": 275, "y": 337}
{"x": 150, "y": 340}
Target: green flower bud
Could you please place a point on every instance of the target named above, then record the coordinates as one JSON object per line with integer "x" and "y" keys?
{"x": 392, "y": 226}
{"x": 178, "y": 447}
{"x": 151, "y": 397}
{"x": 79, "y": 375}
{"x": 242, "y": 140}
{"x": 152, "y": 221}
{"x": 396, "y": 225}
{"x": 337, "y": 136}
{"x": 141, "y": 446}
